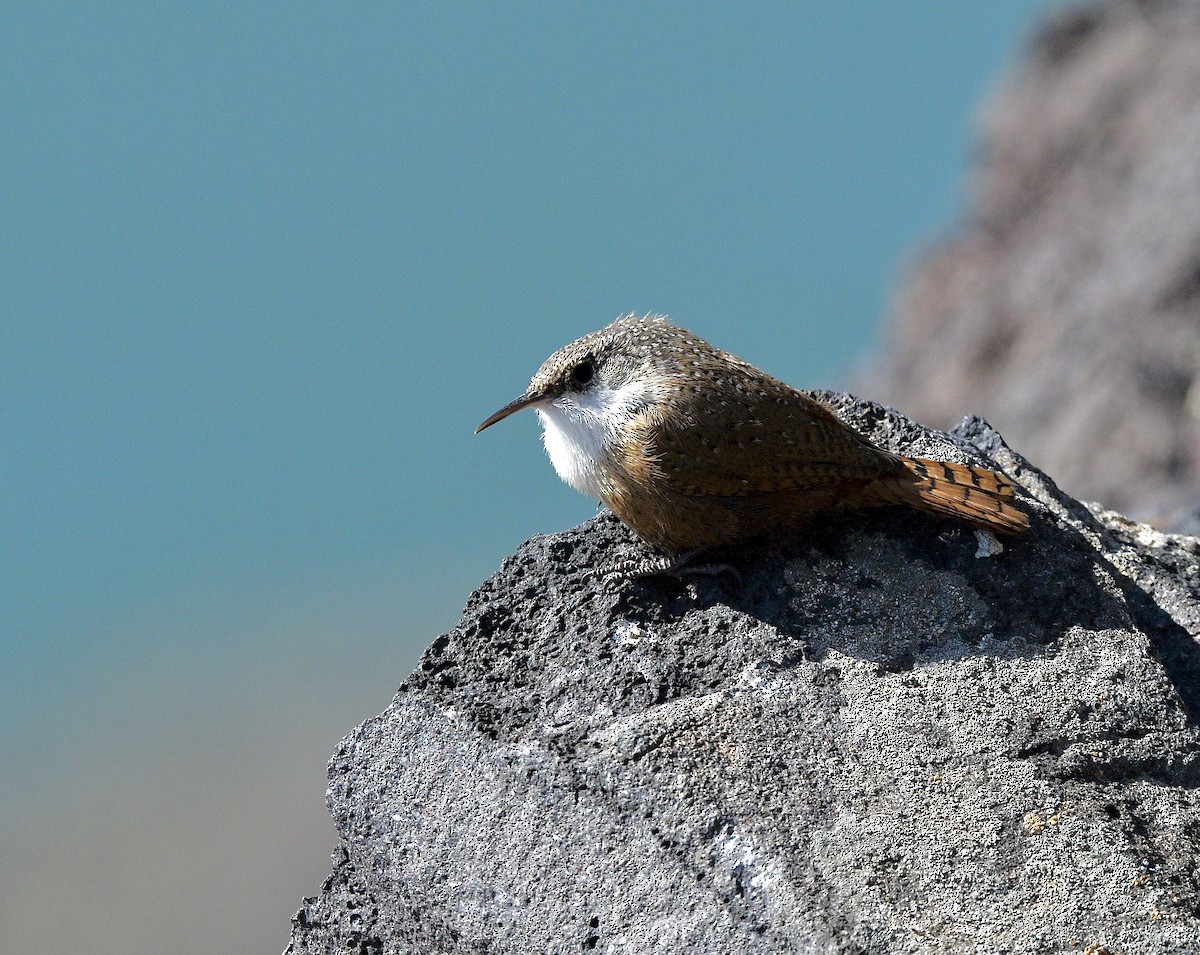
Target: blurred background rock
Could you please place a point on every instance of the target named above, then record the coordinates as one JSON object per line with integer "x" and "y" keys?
{"x": 265, "y": 269}
{"x": 1066, "y": 306}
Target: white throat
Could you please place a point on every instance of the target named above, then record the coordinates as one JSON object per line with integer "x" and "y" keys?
{"x": 579, "y": 427}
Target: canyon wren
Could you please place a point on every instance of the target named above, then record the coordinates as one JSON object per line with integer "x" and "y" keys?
{"x": 692, "y": 447}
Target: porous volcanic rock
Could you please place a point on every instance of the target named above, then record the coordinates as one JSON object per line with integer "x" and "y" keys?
{"x": 877, "y": 737}
{"x": 1066, "y": 307}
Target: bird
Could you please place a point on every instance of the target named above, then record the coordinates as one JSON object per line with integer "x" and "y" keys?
{"x": 693, "y": 448}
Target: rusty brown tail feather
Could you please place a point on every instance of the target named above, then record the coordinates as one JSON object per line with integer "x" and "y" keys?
{"x": 976, "y": 495}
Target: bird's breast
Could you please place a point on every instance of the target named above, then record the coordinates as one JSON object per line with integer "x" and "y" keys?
{"x": 585, "y": 434}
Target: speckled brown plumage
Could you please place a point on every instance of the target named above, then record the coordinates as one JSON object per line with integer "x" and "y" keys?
{"x": 707, "y": 449}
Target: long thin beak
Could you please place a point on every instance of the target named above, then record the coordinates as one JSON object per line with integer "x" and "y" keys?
{"x": 511, "y": 408}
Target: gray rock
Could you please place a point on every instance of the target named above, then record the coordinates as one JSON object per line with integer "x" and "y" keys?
{"x": 870, "y": 739}
{"x": 1066, "y": 308}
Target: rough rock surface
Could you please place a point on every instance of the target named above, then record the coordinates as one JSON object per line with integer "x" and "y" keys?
{"x": 876, "y": 737}
{"x": 1066, "y": 308}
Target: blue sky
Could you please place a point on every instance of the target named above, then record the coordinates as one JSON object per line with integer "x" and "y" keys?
{"x": 266, "y": 267}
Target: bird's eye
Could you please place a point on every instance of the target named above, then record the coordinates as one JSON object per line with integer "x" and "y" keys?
{"x": 583, "y": 373}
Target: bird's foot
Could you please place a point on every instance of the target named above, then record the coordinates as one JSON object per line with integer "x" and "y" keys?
{"x": 672, "y": 565}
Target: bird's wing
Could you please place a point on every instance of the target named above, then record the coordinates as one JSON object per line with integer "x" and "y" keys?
{"x": 759, "y": 436}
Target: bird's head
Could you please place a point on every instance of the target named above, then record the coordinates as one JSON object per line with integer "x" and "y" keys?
{"x": 589, "y": 391}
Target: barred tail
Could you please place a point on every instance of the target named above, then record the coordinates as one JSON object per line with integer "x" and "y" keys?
{"x": 975, "y": 495}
